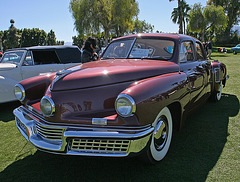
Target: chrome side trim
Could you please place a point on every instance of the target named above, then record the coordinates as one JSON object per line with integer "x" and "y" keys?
{"x": 69, "y": 140}
{"x": 217, "y": 75}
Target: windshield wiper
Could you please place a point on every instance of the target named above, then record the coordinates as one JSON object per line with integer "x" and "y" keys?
{"x": 156, "y": 57}
{"x": 108, "y": 58}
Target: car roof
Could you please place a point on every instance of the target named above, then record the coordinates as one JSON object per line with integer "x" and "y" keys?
{"x": 66, "y": 54}
{"x": 163, "y": 35}
{"x": 58, "y": 47}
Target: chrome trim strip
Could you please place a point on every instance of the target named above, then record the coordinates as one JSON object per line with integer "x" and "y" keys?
{"x": 217, "y": 75}
{"x": 26, "y": 124}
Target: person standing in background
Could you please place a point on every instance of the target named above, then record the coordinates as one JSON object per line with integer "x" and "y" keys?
{"x": 88, "y": 50}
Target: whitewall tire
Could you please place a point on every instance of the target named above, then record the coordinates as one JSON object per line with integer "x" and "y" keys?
{"x": 161, "y": 137}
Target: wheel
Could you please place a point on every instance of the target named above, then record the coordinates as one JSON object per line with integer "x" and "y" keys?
{"x": 217, "y": 95}
{"x": 161, "y": 137}
{"x": 234, "y": 52}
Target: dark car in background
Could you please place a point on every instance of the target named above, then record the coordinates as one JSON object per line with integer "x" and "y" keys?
{"x": 127, "y": 103}
{"x": 22, "y": 63}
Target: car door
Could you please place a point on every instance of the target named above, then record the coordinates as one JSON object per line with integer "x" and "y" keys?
{"x": 195, "y": 71}
{"x": 40, "y": 62}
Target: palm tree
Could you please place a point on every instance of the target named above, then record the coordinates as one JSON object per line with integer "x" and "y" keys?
{"x": 180, "y": 16}
{"x": 185, "y": 14}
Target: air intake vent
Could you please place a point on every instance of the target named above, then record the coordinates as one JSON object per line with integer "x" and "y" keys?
{"x": 100, "y": 145}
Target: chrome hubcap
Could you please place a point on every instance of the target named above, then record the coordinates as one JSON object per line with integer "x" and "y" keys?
{"x": 160, "y": 133}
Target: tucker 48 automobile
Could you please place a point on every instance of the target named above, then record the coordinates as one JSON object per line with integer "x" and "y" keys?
{"x": 22, "y": 63}
{"x": 129, "y": 102}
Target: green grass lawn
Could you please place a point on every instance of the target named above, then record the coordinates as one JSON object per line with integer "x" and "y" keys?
{"x": 207, "y": 148}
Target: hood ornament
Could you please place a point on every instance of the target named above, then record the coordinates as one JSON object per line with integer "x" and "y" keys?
{"x": 60, "y": 74}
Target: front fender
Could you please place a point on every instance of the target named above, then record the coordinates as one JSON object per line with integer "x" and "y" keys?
{"x": 7, "y": 89}
{"x": 153, "y": 94}
{"x": 35, "y": 87}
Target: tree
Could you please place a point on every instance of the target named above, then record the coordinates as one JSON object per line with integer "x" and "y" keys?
{"x": 51, "y": 38}
{"x": 124, "y": 23}
{"x": 33, "y": 37}
{"x": 142, "y": 27}
{"x": 11, "y": 37}
{"x": 210, "y": 19}
{"x": 180, "y": 18}
{"x": 110, "y": 15}
{"x": 180, "y": 15}
{"x": 232, "y": 10}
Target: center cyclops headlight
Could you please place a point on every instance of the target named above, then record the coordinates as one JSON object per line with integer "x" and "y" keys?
{"x": 47, "y": 106}
{"x": 19, "y": 92}
{"x": 125, "y": 105}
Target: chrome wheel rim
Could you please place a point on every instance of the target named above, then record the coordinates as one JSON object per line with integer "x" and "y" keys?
{"x": 161, "y": 133}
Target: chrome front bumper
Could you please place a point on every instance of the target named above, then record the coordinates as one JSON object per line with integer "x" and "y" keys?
{"x": 71, "y": 140}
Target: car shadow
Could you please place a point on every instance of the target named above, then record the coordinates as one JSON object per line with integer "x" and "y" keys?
{"x": 193, "y": 153}
{"x": 6, "y": 111}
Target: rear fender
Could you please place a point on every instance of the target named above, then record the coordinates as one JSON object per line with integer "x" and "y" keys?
{"x": 153, "y": 94}
{"x": 218, "y": 75}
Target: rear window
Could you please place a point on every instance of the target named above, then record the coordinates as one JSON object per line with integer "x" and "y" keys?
{"x": 45, "y": 57}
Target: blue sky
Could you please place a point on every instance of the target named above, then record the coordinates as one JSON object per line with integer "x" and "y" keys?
{"x": 54, "y": 14}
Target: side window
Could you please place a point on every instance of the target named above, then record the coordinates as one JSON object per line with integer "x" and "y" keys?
{"x": 28, "y": 61}
{"x": 200, "y": 53}
{"x": 186, "y": 52}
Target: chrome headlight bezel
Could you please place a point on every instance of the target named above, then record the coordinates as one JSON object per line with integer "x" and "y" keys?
{"x": 19, "y": 92}
{"x": 125, "y": 105}
{"x": 47, "y": 100}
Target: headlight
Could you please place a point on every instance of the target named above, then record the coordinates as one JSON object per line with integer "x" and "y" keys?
{"x": 47, "y": 106}
{"x": 19, "y": 92}
{"x": 125, "y": 105}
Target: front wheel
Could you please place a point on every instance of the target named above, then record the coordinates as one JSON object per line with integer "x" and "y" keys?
{"x": 234, "y": 52}
{"x": 161, "y": 137}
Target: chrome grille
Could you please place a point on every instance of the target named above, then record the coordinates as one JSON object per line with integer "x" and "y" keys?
{"x": 49, "y": 133}
{"x": 22, "y": 126}
{"x": 100, "y": 145}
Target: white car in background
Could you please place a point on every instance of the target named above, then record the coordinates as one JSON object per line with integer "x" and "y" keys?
{"x": 21, "y": 63}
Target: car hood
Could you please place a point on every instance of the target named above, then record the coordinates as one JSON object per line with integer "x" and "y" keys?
{"x": 7, "y": 66}
{"x": 106, "y": 72}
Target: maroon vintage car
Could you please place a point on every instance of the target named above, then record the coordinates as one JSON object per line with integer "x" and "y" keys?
{"x": 128, "y": 102}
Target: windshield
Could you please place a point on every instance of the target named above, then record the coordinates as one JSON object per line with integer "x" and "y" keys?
{"x": 141, "y": 48}
{"x": 12, "y": 57}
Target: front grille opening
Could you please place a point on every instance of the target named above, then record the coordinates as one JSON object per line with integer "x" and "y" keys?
{"x": 100, "y": 145}
{"x": 49, "y": 133}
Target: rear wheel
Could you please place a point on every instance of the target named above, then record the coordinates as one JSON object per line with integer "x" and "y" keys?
{"x": 161, "y": 137}
{"x": 217, "y": 95}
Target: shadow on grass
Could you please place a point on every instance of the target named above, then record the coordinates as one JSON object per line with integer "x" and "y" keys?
{"x": 6, "y": 111}
{"x": 194, "y": 152}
